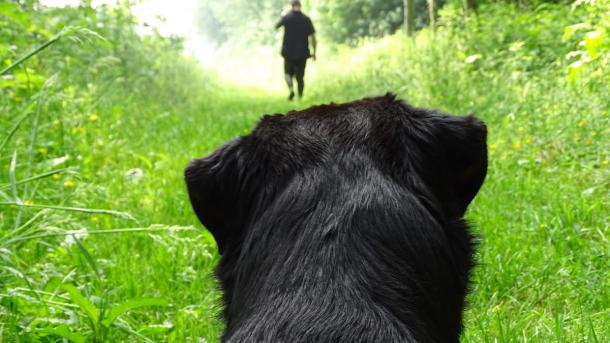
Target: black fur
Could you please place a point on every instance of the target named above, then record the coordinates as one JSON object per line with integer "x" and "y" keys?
{"x": 343, "y": 223}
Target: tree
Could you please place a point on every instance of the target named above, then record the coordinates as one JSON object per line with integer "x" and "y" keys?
{"x": 470, "y": 6}
{"x": 346, "y": 21}
{"x": 409, "y": 16}
{"x": 433, "y": 12}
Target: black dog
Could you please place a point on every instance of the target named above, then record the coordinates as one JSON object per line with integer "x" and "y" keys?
{"x": 343, "y": 223}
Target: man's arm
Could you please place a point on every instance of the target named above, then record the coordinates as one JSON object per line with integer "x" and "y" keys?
{"x": 279, "y": 24}
{"x": 314, "y": 44}
{"x": 312, "y": 38}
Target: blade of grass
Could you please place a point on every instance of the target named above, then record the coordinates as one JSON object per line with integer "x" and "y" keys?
{"x": 16, "y": 272}
{"x": 102, "y": 232}
{"x": 34, "y": 178}
{"x": 66, "y": 32}
{"x": 21, "y": 293}
{"x": 41, "y": 99}
{"x": 125, "y": 327}
{"x": 42, "y": 293}
{"x": 30, "y": 54}
{"x": 90, "y": 260}
{"x": 62, "y": 331}
{"x": 4, "y": 241}
{"x": 13, "y": 183}
{"x": 11, "y": 177}
{"x": 119, "y": 214}
{"x": 14, "y": 129}
{"x": 129, "y": 305}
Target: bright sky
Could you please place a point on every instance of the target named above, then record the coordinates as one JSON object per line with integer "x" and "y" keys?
{"x": 178, "y": 18}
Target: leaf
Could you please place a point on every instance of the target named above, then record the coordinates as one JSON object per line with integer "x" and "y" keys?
{"x": 63, "y": 331}
{"x": 569, "y": 31}
{"x": 88, "y": 257}
{"x": 129, "y": 305}
{"x": 14, "y": 12}
{"x": 594, "y": 40}
{"x": 83, "y": 303}
{"x": 575, "y": 70}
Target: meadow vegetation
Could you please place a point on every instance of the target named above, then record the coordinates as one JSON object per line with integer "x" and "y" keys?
{"x": 98, "y": 241}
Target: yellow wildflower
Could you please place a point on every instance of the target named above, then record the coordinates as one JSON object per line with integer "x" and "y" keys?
{"x": 55, "y": 177}
{"x": 581, "y": 123}
{"x": 521, "y": 129}
{"x": 28, "y": 202}
{"x": 517, "y": 146}
{"x": 528, "y": 140}
{"x": 605, "y": 162}
{"x": 93, "y": 117}
{"x": 69, "y": 184}
{"x": 94, "y": 219}
{"x": 76, "y": 130}
{"x": 587, "y": 142}
{"x": 42, "y": 150}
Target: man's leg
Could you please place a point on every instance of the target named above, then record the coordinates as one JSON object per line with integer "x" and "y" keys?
{"x": 300, "y": 74}
{"x": 288, "y": 72}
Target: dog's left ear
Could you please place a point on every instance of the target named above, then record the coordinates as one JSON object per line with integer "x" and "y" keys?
{"x": 215, "y": 185}
{"x": 461, "y": 163}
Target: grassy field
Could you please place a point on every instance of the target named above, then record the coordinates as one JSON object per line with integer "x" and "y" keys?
{"x": 141, "y": 270}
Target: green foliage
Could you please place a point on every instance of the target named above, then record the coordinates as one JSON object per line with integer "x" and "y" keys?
{"x": 348, "y": 21}
{"x": 62, "y": 73}
{"x": 240, "y": 20}
{"x": 590, "y": 39}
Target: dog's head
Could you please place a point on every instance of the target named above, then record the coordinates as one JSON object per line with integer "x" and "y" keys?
{"x": 433, "y": 155}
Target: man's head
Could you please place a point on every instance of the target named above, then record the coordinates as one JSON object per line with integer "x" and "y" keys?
{"x": 296, "y": 5}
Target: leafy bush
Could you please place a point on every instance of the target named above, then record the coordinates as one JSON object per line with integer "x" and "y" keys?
{"x": 590, "y": 39}
{"x": 77, "y": 85}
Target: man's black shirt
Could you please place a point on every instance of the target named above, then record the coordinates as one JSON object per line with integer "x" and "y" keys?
{"x": 297, "y": 29}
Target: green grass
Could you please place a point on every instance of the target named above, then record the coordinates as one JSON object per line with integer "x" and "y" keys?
{"x": 542, "y": 217}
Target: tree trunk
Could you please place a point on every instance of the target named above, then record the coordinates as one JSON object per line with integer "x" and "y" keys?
{"x": 409, "y": 10}
{"x": 433, "y": 12}
{"x": 470, "y": 6}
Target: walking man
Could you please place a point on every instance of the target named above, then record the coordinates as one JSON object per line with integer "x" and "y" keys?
{"x": 298, "y": 30}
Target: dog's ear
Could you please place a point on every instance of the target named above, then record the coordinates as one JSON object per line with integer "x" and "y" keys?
{"x": 460, "y": 161}
{"x": 214, "y": 185}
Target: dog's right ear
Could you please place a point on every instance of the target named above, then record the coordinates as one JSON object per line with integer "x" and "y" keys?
{"x": 214, "y": 187}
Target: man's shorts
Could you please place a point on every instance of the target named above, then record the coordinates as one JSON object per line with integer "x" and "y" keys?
{"x": 295, "y": 68}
